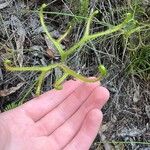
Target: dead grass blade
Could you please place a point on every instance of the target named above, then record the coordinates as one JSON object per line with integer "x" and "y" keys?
{"x": 50, "y": 53}
{"x": 3, "y": 5}
{"x": 11, "y": 90}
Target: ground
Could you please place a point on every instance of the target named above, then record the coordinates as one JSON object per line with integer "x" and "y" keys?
{"x": 22, "y": 40}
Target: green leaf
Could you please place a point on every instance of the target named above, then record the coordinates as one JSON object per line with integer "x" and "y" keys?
{"x": 102, "y": 70}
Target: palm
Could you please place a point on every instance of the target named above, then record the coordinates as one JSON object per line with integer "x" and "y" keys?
{"x": 66, "y": 119}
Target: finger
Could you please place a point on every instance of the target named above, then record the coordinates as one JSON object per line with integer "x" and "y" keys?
{"x": 67, "y": 108}
{"x": 87, "y": 132}
{"x": 96, "y": 100}
{"x": 40, "y": 106}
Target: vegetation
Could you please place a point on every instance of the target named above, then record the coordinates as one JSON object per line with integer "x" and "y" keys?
{"x": 65, "y": 54}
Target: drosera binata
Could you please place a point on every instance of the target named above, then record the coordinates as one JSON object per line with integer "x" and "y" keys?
{"x": 64, "y": 54}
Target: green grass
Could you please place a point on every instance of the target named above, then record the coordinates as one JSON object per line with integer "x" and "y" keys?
{"x": 140, "y": 62}
{"x": 139, "y": 43}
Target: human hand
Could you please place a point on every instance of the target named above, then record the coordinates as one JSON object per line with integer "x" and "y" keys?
{"x": 68, "y": 119}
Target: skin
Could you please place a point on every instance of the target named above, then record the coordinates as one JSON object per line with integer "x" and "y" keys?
{"x": 68, "y": 119}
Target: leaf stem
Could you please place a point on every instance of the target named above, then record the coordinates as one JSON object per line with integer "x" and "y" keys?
{"x": 87, "y": 37}
{"x": 40, "y": 82}
{"x": 58, "y": 83}
{"x": 55, "y": 42}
